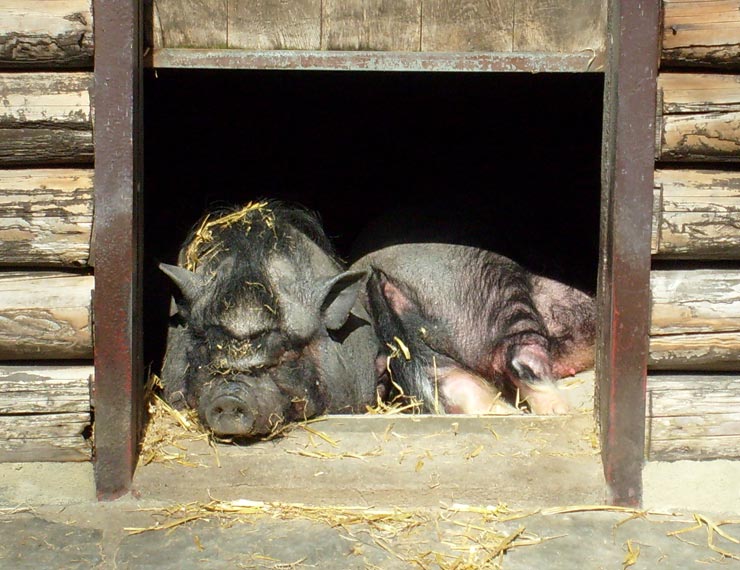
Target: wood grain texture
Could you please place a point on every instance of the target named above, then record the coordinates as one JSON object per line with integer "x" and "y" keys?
{"x": 560, "y": 25}
{"x": 704, "y": 33}
{"x": 695, "y": 351}
{"x": 45, "y": 315}
{"x": 45, "y": 118}
{"x": 698, "y": 92}
{"x": 40, "y": 33}
{"x": 190, "y": 24}
{"x": 373, "y": 25}
{"x": 696, "y": 214}
{"x": 701, "y": 137}
{"x": 467, "y": 25}
{"x": 36, "y": 388}
{"x": 693, "y": 417}
{"x": 44, "y": 437}
{"x": 275, "y": 24}
{"x": 45, "y": 216}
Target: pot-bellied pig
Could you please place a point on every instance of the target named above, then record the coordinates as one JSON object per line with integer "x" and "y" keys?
{"x": 267, "y": 327}
{"x": 468, "y": 325}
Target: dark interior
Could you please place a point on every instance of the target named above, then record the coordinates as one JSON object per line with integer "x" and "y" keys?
{"x": 507, "y": 162}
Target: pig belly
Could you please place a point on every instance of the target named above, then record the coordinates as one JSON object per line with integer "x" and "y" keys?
{"x": 466, "y": 393}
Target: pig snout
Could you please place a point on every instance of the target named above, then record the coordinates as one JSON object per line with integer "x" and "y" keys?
{"x": 229, "y": 415}
{"x": 235, "y": 408}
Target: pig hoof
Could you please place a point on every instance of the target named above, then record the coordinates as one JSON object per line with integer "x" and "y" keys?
{"x": 228, "y": 415}
{"x": 547, "y": 403}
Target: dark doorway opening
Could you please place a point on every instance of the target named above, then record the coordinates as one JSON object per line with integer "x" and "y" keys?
{"x": 506, "y": 162}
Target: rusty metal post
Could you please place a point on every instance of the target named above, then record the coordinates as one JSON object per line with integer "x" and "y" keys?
{"x": 117, "y": 304}
{"x": 624, "y": 276}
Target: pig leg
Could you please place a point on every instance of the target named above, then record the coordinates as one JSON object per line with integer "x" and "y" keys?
{"x": 466, "y": 393}
{"x": 529, "y": 368}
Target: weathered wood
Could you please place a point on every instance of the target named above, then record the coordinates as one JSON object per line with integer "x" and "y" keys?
{"x": 560, "y": 26}
{"x": 381, "y": 25}
{"x": 698, "y": 92}
{"x": 695, "y": 301}
{"x": 45, "y": 315}
{"x": 44, "y": 437}
{"x": 46, "y": 118}
{"x": 35, "y": 388}
{"x": 696, "y": 214}
{"x": 46, "y": 449}
{"x": 695, "y": 351}
{"x": 693, "y": 417}
{"x": 45, "y": 217}
{"x": 702, "y": 33}
{"x": 702, "y": 137}
{"x": 39, "y": 33}
{"x": 274, "y": 24}
{"x": 467, "y": 25}
{"x": 190, "y": 23}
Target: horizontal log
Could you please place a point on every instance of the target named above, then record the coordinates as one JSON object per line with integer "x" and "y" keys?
{"x": 45, "y": 315}
{"x": 46, "y": 118}
{"x": 695, "y": 301}
{"x": 47, "y": 449}
{"x": 698, "y": 92}
{"x": 693, "y": 417}
{"x": 39, "y": 33}
{"x": 703, "y": 33}
{"x": 695, "y": 351}
{"x": 45, "y": 217}
{"x": 696, "y": 214}
{"x": 35, "y": 388}
{"x": 44, "y": 437}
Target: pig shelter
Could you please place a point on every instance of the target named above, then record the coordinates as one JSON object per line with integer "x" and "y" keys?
{"x": 483, "y": 123}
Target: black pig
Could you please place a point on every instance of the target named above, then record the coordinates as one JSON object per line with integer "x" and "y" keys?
{"x": 468, "y": 325}
{"x": 267, "y": 327}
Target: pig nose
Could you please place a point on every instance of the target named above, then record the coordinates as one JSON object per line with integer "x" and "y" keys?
{"x": 229, "y": 415}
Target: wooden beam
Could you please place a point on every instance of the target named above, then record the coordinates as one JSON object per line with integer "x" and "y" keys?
{"x": 274, "y": 24}
{"x": 703, "y": 33}
{"x": 681, "y": 93}
{"x": 695, "y": 351}
{"x": 46, "y": 118}
{"x": 624, "y": 271}
{"x": 467, "y": 25}
{"x": 38, "y": 388}
{"x": 371, "y": 25}
{"x": 45, "y": 315}
{"x": 45, "y": 217}
{"x": 44, "y": 437}
{"x": 39, "y": 33}
{"x": 190, "y": 23}
{"x": 693, "y": 417}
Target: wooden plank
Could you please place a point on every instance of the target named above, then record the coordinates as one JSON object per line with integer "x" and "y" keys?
{"x": 703, "y": 33}
{"x": 374, "y": 25}
{"x": 43, "y": 426}
{"x": 695, "y": 301}
{"x": 467, "y": 25}
{"x": 47, "y": 449}
{"x": 560, "y": 26}
{"x": 45, "y": 216}
{"x": 45, "y": 315}
{"x": 46, "y": 118}
{"x": 693, "y": 417}
{"x": 698, "y": 92}
{"x": 696, "y": 214}
{"x": 190, "y": 23}
{"x": 695, "y": 351}
{"x": 35, "y": 388}
{"x": 39, "y": 33}
{"x": 274, "y": 24}
{"x": 701, "y": 137}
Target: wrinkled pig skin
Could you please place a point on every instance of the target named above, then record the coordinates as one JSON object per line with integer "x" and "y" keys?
{"x": 477, "y": 328}
{"x": 266, "y": 326}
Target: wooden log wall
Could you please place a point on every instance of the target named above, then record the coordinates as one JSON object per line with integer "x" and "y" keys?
{"x": 694, "y": 365}
{"x": 555, "y": 26}
{"x": 46, "y": 208}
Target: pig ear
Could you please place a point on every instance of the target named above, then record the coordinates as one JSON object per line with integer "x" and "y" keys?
{"x": 189, "y": 283}
{"x": 339, "y": 295}
{"x": 399, "y": 301}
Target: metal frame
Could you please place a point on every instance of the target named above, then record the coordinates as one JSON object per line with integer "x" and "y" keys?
{"x": 117, "y": 303}
{"x": 628, "y": 166}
